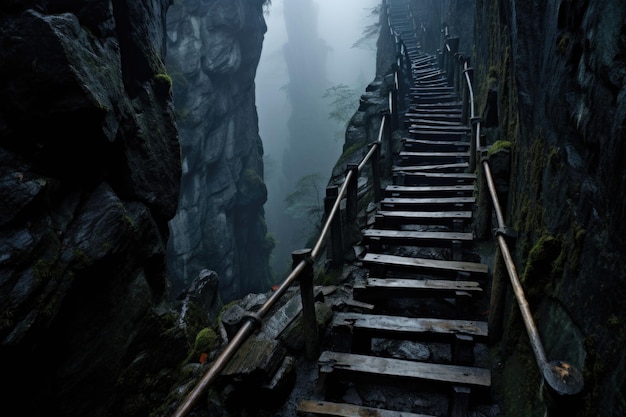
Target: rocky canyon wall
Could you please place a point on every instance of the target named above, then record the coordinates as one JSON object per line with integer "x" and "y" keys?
{"x": 557, "y": 68}
{"x": 213, "y": 52}
{"x": 89, "y": 178}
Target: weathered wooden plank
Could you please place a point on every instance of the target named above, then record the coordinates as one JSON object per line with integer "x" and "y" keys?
{"x": 432, "y": 265}
{"x": 432, "y": 178}
{"x": 427, "y": 204}
{"x": 465, "y": 215}
{"x": 412, "y": 237}
{"x": 397, "y": 324}
{"x": 422, "y": 154}
{"x": 398, "y": 368}
{"x": 419, "y": 133}
{"x": 391, "y": 217}
{"x": 325, "y": 408}
{"x": 457, "y": 167}
{"x": 431, "y": 145}
{"x": 433, "y": 123}
{"x": 423, "y": 157}
{"x": 416, "y": 285}
{"x": 430, "y": 189}
{"x": 448, "y": 128}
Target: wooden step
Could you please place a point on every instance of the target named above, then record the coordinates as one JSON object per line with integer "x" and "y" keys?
{"x": 326, "y": 408}
{"x": 432, "y": 178}
{"x": 431, "y": 89}
{"x": 457, "y": 128}
{"x": 447, "y": 135}
{"x": 409, "y": 328}
{"x": 429, "y": 190}
{"x": 447, "y": 218}
{"x": 414, "y": 157}
{"x": 427, "y": 204}
{"x": 367, "y": 366}
{"x": 410, "y": 144}
{"x": 433, "y": 123}
{"x": 433, "y": 266}
{"x": 456, "y": 167}
{"x": 434, "y": 98}
{"x": 435, "y": 114}
{"x": 380, "y": 288}
{"x": 377, "y": 237}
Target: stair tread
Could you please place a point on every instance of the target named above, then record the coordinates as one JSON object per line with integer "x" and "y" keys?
{"x": 400, "y": 324}
{"x": 425, "y": 264}
{"x": 458, "y": 165}
{"x": 326, "y": 408}
{"x": 422, "y": 284}
{"x": 429, "y": 200}
{"x": 376, "y": 366}
{"x": 433, "y": 154}
{"x": 428, "y": 188}
{"x": 417, "y": 235}
{"x": 460, "y": 214}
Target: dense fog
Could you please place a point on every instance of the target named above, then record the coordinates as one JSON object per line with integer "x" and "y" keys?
{"x": 313, "y": 69}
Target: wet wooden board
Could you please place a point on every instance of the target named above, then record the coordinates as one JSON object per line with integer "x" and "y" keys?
{"x": 419, "y": 133}
{"x": 433, "y": 178}
{"x": 421, "y": 285}
{"x": 432, "y": 145}
{"x": 415, "y": 238}
{"x": 429, "y": 190}
{"x": 372, "y": 366}
{"x": 325, "y": 408}
{"x": 398, "y": 324}
{"x": 457, "y": 167}
{"x": 421, "y": 217}
{"x": 432, "y": 123}
{"x": 425, "y": 264}
{"x": 427, "y": 204}
{"x": 430, "y": 157}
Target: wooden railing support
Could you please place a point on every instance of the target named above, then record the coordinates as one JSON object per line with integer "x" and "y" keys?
{"x": 484, "y": 204}
{"x": 352, "y": 193}
{"x": 309, "y": 319}
{"x": 452, "y": 43}
{"x": 393, "y": 102}
{"x": 387, "y": 153}
{"x": 335, "y": 248}
{"x": 473, "y": 142}
{"x": 466, "y": 114}
{"x": 376, "y": 181}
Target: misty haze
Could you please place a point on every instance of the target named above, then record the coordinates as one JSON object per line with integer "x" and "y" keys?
{"x": 308, "y": 84}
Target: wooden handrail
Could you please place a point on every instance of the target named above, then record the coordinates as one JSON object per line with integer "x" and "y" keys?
{"x": 564, "y": 381}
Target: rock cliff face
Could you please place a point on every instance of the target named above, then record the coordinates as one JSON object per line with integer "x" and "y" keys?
{"x": 213, "y": 52}
{"x": 558, "y": 70}
{"x": 89, "y": 177}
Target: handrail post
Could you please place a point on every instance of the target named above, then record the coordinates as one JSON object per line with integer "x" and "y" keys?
{"x": 484, "y": 203}
{"x": 452, "y": 43}
{"x": 352, "y": 193}
{"x": 309, "y": 319}
{"x": 387, "y": 152}
{"x": 393, "y": 101}
{"x": 376, "y": 171}
{"x": 466, "y": 114}
{"x": 335, "y": 249}
{"x": 475, "y": 121}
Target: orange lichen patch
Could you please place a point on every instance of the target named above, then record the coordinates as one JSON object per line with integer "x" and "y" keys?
{"x": 203, "y": 357}
{"x": 274, "y": 287}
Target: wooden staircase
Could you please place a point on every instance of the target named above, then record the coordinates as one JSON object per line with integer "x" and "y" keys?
{"x": 418, "y": 253}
